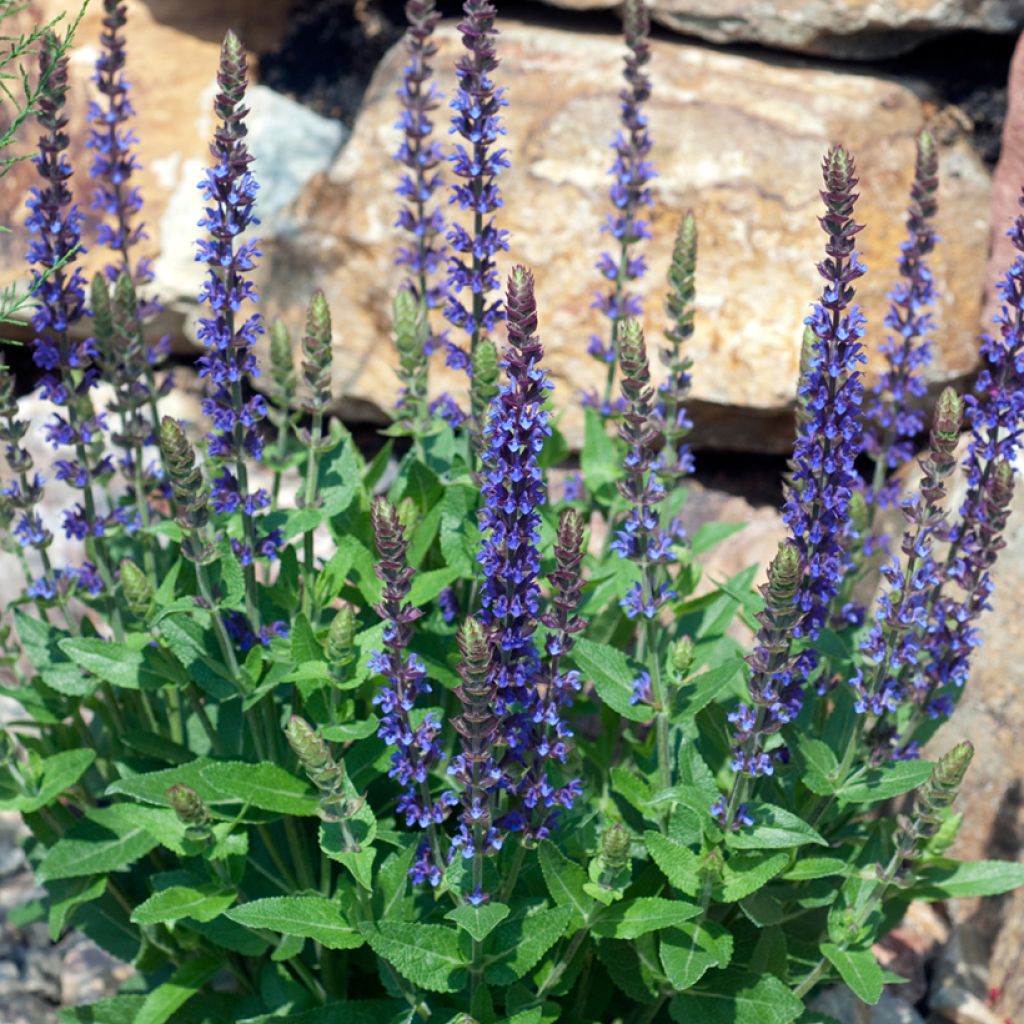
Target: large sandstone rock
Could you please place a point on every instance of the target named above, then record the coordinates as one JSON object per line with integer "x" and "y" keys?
{"x": 738, "y": 139}
{"x": 173, "y": 48}
{"x": 836, "y": 28}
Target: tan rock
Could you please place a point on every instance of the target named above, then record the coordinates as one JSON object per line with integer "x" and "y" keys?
{"x": 738, "y": 139}
{"x": 852, "y": 29}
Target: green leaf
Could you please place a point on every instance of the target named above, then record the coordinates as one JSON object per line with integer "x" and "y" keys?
{"x": 774, "y": 829}
{"x": 821, "y": 767}
{"x": 745, "y": 873}
{"x": 679, "y": 864}
{"x": 129, "y": 666}
{"x": 201, "y": 902}
{"x": 859, "y": 970}
{"x": 889, "y": 780}
{"x": 66, "y": 895}
{"x": 598, "y": 458}
{"x": 809, "y": 868}
{"x": 565, "y": 881}
{"x": 310, "y": 917}
{"x": 950, "y": 879}
{"x": 58, "y": 773}
{"x": 41, "y": 643}
{"x": 479, "y": 921}
{"x": 612, "y": 675}
{"x": 630, "y": 919}
{"x": 163, "y": 1002}
{"x": 362, "y": 830}
{"x": 519, "y": 944}
{"x": 262, "y": 785}
{"x": 339, "y": 480}
{"x": 708, "y": 535}
{"x": 427, "y": 585}
{"x": 106, "y": 839}
{"x": 700, "y": 691}
{"x": 738, "y": 998}
{"x": 691, "y": 950}
{"x": 427, "y": 954}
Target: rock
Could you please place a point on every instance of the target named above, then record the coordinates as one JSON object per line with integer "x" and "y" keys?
{"x": 738, "y": 139}
{"x": 88, "y": 973}
{"x": 846, "y": 30}
{"x": 911, "y": 947}
{"x": 1007, "y": 183}
{"x": 841, "y": 1004}
{"x": 173, "y": 96}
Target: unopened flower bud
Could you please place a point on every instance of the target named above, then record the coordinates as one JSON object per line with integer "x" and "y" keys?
{"x": 615, "y": 847}
{"x": 1002, "y": 484}
{"x": 137, "y": 588}
{"x": 186, "y": 478}
{"x": 484, "y": 385}
{"x": 312, "y": 752}
{"x": 282, "y": 366}
{"x": 408, "y": 515}
{"x": 102, "y": 313}
{"x": 340, "y": 646}
{"x": 784, "y": 575}
{"x": 126, "y": 301}
{"x": 191, "y": 812}
{"x": 317, "y": 352}
{"x": 682, "y": 657}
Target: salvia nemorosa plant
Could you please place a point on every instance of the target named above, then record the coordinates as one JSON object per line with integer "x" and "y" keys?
{"x": 430, "y": 740}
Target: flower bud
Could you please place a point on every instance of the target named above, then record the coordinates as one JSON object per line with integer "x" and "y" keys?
{"x": 312, "y": 752}
{"x": 126, "y": 302}
{"x": 484, "y": 385}
{"x": 102, "y": 313}
{"x": 282, "y": 366}
{"x": 191, "y": 812}
{"x": 784, "y": 575}
{"x": 682, "y": 657}
{"x": 408, "y": 515}
{"x": 615, "y": 847}
{"x": 186, "y": 477}
{"x": 137, "y": 588}
{"x": 317, "y": 352}
{"x": 340, "y": 646}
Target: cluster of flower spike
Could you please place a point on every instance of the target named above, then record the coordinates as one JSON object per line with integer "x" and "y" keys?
{"x": 630, "y": 194}
{"x": 229, "y": 189}
{"x": 55, "y": 223}
{"x": 476, "y": 161}
{"x": 994, "y": 413}
{"x": 824, "y": 477}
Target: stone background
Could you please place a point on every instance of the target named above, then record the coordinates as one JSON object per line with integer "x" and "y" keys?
{"x": 747, "y": 96}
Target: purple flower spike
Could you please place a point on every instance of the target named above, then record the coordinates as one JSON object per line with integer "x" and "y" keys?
{"x": 640, "y": 538}
{"x": 421, "y": 156}
{"x": 824, "y": 478}
{"x": 114, "y": 161}
{"x": 513, "y": 491}
{"x": 417, "y": 748}
{"x": 630, "y": 195}
{"x": 893, "y": 418}
{"x": 476, "y": 161}
{"x": 230, "y": 193}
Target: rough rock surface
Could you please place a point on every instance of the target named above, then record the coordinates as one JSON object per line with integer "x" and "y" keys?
{"x": 740, "y": 140}
{"x": 852, "y": 29}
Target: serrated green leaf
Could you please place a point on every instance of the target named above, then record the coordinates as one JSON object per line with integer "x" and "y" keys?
{"x": 565, "y": 881}
{"x": 598, "y": 459}
{"x": 66, "y": 895}
{"x": 884, "y": 782}
{"x": 679, "y": 864}
{"x": 163, "y": 1002}
{"x": 821, "y": 767}
{"x": 202, "y": 902}
{"x": 41, "y": 643}
{"x": 949, "y": 879}
{"x": 629, "y": 919}
{"x": 808, "y": 868}
{"x": 774, "y": 828}
{"x": 689, "y": 951}
{"x": 859, "y": 970}
{"x": 519, "y": 944}
{"x": 130, "y": 667}
{"x": 478, "y": 921}
{"x": 104, "y": 840}
{"x": 738, "y": 998}
{"x": 610, "y": 671}
{"x": 362, "y": 830}
{"x": 57, "y": 773}
{"x": 263, "y": 785}
{"x": 700, "y": 691}
{"x": 428, "y": 955}
{"x": 745, "y": 873}
{"x": 307, "y": 916}
{"x": 427, "y": 585}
